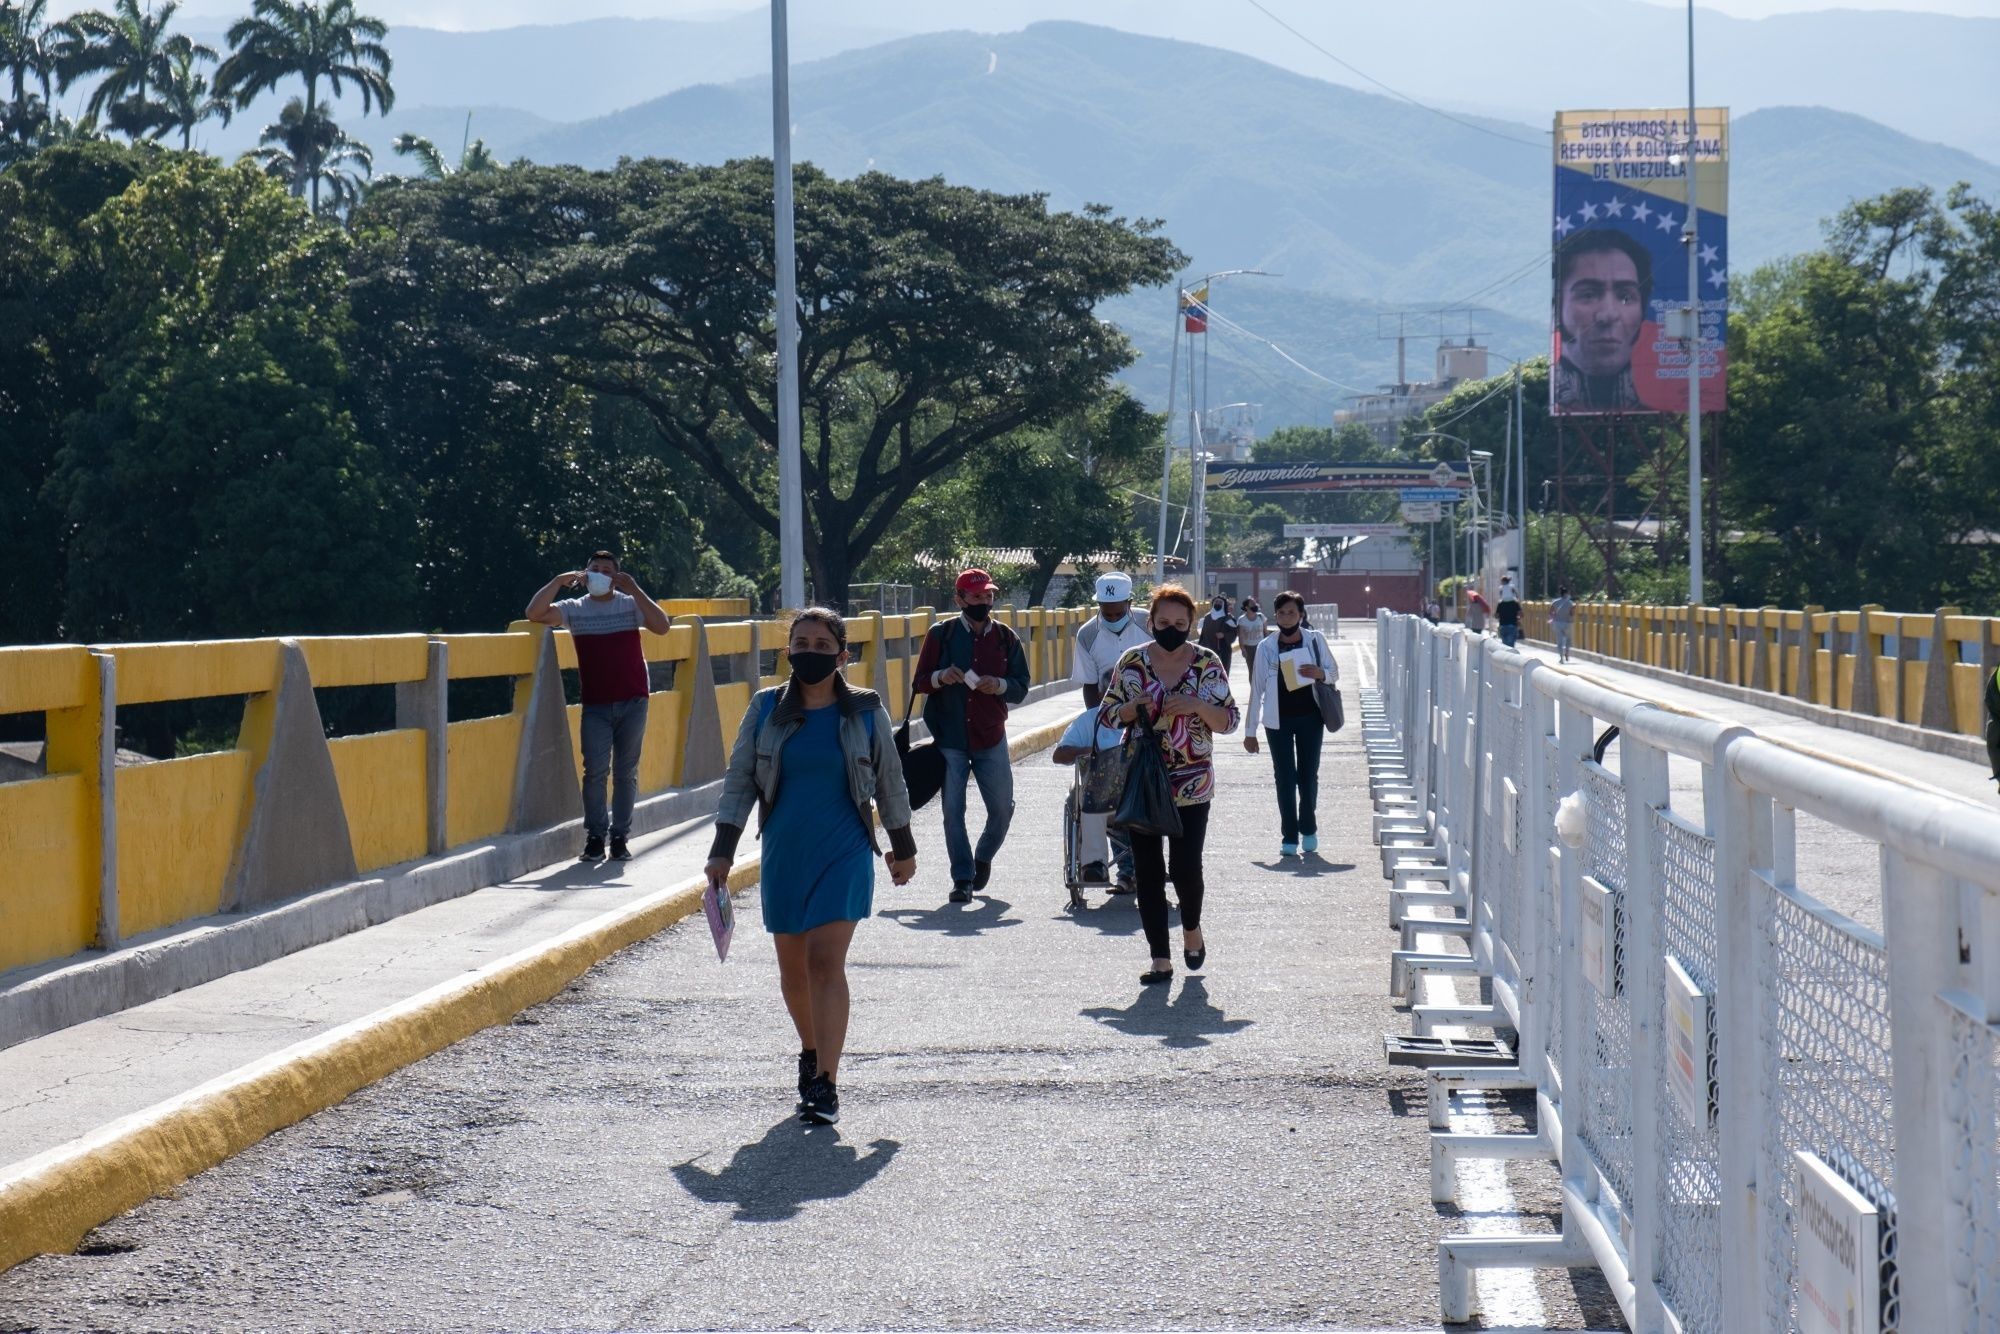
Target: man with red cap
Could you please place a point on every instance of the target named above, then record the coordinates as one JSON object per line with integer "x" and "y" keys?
{"x": 971, "y": 668}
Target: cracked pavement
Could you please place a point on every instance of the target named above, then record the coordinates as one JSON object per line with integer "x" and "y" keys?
{"x": 1029, "y": 1138}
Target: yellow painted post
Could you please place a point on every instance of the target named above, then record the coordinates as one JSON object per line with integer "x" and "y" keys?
{"x": 84, "y": 741}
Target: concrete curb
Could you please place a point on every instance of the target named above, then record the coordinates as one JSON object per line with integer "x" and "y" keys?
{"x": 50, "y": 1202}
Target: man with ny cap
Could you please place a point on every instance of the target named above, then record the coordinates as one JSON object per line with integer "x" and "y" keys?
{"x": 1100, "y": 642}
{"x": 971, "y": 668}
{"x": 1107, "y": 636}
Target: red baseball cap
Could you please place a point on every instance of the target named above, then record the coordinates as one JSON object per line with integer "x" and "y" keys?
{"x": 975, "y": 581}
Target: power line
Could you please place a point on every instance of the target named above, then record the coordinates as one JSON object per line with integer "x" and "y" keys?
{"x": 1228, "y": 323}
{"x": 1361, "y": 73}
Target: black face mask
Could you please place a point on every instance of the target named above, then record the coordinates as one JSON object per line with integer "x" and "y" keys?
{"x": 1170, "y": 637}
{"x": 812, "y": 668}
{"x": 977, "y": 611}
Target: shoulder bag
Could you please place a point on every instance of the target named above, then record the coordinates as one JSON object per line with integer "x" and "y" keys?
{"x": 1327, "y": 695}
{"x": 923, "y": 766}
{"x": 1147, "y": 804}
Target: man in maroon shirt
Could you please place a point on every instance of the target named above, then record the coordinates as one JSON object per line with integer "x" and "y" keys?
{"x": 604, "y": 625}
{"x": 971, "y": 668}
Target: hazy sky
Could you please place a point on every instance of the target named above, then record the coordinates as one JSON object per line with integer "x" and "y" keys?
{"x": 950, "y": 13}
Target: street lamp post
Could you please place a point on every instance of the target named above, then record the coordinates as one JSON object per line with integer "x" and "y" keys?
{"x": 791, "y": 489}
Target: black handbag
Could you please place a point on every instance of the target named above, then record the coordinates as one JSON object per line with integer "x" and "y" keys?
{"x": 1147, "y": 806}
{"x": 923, "y": 766}
{"x": 1101, "y": 776}
{"x": 1327, "y": 696}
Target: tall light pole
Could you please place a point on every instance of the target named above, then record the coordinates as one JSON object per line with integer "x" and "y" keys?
{"x": 1692, "y": 239}
{"x": 1167, "y": 460}
{"x": 791, "y": 483}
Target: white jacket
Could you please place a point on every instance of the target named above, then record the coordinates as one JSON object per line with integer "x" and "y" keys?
{"x": 1265, "y": 682}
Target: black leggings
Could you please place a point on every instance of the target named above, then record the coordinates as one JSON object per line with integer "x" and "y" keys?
{"x": 1182, "y": 860}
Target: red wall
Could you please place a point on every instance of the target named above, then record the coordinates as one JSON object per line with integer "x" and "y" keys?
{"x": 1357, "y": 594}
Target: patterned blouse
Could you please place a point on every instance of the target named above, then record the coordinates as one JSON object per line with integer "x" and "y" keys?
{"x": 1186, "y": 743}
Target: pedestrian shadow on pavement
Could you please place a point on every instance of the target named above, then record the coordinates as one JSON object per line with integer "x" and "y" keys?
{"x": 956, "y": 919}
{"x": 793, "y": 1165}
{"x": 1187, "y": 1020}
{"x": 578, "y": 875}
{"x": 1113, "y": 915}
{"x": 1306, "y": 866}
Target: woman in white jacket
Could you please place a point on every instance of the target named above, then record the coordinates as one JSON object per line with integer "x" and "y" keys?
{"x": 1291, "y": 717}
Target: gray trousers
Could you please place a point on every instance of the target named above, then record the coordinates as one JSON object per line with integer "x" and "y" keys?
{"x": 612, "y": 735}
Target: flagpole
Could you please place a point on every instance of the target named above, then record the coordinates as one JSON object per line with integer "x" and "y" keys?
{"x": 1167, "y": 450}
{"x": 791, "y": 489}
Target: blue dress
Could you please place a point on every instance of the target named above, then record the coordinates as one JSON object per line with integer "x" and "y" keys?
{"x": 817, "y": 865}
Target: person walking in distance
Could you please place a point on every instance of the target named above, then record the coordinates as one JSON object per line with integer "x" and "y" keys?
{"x": 1993, "y": 723}
{"x": 1217, "y": 632}
{"x": 817, "y": 758}
{"x": 1106, "y": 637}
{"x": 1251, "y": 627}
{"x": 1508, "y": 612}
{"x": 1100, "y": 643}
{"x": 1281, "y": 698}
{"x": 970, "y": 669}
{"x": 1475, "y": 611}
{"x": 604, "y": 625}
{"x": 1184, "y": 691}
{"x": 1561, "y": 612}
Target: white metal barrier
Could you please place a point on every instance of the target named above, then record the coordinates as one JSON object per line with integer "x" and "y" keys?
{"x": 1325, "y": 617}
{"x": 1766, "y": 1115}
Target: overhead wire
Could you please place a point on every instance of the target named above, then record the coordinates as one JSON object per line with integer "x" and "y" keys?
{"x": 1230, "y": 324}
{"x": 1393, "y": 92}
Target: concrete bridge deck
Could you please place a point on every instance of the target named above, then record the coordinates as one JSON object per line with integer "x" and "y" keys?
{"x": 1029, "y": 1138}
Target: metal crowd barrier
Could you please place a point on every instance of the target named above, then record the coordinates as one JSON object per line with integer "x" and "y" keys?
{"x": 1766, "y": 1115}
{"x": 1325, "y": 617}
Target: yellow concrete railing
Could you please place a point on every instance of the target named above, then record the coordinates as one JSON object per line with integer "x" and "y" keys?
{"x": 92, "y": 854}
{"x": 1837, "y": 659}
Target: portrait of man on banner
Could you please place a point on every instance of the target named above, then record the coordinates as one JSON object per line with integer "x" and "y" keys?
{"x": 1619, "y": 262}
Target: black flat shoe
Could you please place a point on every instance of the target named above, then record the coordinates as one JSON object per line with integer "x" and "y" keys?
{"x": 1195, "y": 958}
{"x": 1156, "y": 976}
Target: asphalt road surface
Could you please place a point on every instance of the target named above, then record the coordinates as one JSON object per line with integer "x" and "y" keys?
{"x": 1029, "y": 1138}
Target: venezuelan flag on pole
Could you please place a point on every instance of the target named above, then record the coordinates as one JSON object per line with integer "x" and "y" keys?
{"x": 1194, "y": 305}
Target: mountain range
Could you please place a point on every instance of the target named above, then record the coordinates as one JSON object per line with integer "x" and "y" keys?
{"x": 1364, "y": 204}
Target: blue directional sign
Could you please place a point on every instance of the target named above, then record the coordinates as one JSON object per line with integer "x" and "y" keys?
{"x": 1419, "y": 495}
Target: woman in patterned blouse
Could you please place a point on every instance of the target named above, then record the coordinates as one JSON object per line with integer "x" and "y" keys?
{"x": 1185, "y": 691}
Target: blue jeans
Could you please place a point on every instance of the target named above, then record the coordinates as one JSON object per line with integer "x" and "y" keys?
{"x": 1295, "y": 745}
{"x": 612, "y": 735}
{"x": 1509, "y": 633}
{"x": 994, "y": 770}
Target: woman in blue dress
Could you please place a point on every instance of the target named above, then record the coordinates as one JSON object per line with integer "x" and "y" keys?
{"x": 816, "y": 757}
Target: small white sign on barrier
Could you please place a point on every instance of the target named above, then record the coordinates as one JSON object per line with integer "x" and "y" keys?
{"x": 1510, "y": 802}
{"x": 1690, "y": 1019}
{"x": 1597, "y": 935}
{"x": 1836, "y": 1235}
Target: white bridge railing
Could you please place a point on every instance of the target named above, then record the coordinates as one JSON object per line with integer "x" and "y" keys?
{"x": 1766, "y": 1115}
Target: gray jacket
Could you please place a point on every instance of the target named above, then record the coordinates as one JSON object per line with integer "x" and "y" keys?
{"x": 757, "y": 770}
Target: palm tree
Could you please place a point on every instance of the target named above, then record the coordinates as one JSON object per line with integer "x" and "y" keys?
{"x": 186, "y": 99}
{"x": 28, "y": 50}
{"x": 319, "y": 41}
{"x": 474, "y": 158}
{"x": 307, "y": 149}
{"x": 131, "y": 47}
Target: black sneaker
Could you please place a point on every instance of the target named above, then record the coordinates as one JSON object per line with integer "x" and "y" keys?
{"x": 981, "y": 873}
{"x": 1094, "y": 872}
{"x": 822, "y": 1102}
{"x": 593, "y": 849}
{"x": 620, "y": 852}
{"x": 961, "y": 891}
{"x": 808, "y": 1069}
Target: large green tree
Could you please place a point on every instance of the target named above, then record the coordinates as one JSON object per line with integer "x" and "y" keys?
{"x": 135, "y": 54}
{"x": 307, "y": 150}
{"x": 30, "y": 55}
{"x": 1862, "y": 395}
{"x": 318, "y": 42}
{"x": 935, "y": 319}
{"x": 217, "y": 485}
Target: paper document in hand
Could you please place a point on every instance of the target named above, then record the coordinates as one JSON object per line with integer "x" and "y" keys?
{"x": 1289, "y": 663}
{"x": 972, "y": 679}
{"x": 721, "y": 913}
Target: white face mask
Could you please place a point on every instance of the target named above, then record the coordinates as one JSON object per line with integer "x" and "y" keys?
{"x": 598, "y": 582}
